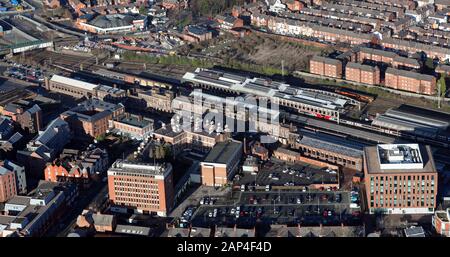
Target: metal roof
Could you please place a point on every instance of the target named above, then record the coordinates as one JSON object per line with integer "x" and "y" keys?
{"x": 73, "y": 82}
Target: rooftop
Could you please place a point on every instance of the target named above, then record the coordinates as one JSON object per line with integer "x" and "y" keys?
{"x": 19, "y": 200}
{"x": 414, "y": 232}
{"x": 378, "y": 52}
{"x": 121, "y": 166}
{"x": 408, "y": 156}
{"x": 363, "y": 67}
{"x": 399, "y": 158}
{"x": 264, "y": 87}
{"x": 133, "y": 230}
{"x": 332, "y": 143}
{"x": 326, "y": 60}
{"x": 92, "y": 109}
{"x": 114, "y": 20}
{"x": 410, "y": 74}
{"x": 73, "y": 82}
{"x": 135, "y": 121}
{"x": 223, "y": 151}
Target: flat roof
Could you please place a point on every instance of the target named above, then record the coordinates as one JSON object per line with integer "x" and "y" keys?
{"x": 140, "y": 168}
{"x": 20, "y": 200}
{"x": 133, "y": 230}
{"x": 135, "y": 121}
{"x": 371, "y": 155}
{"x": 406, "y": 156}
{"x": 223, "y": 151}
{"x": 73, "y": 82}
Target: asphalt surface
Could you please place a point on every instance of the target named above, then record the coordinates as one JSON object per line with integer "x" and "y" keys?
{"x": 68, "y": 220}
{"x": 291, "y": 207}
{"x": 275, "y": 173}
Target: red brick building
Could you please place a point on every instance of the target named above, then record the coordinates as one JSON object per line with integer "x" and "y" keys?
{"x": 145, "y": 188}
{"x": 410, "y": 81}
{"x": 221, "y": 164}
{"x": 376, "y": 55}
{"x": 229, "y": 22}
{"x": 325, "y": 66}
{"x": 7, "y": 185}
{"x": 294, "y": 5}
{"x": 27, "y": 114}
{"x": 91, "y": 117}
{"x": 400, "y": 179}
{"x": 405, "y": 63}
{"x": 441, "y": 222}
{"x": 76, "y": 166}
{"x": 362, "y": 73}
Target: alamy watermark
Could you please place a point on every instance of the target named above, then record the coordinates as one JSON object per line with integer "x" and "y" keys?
{"x": 208, "y": 113}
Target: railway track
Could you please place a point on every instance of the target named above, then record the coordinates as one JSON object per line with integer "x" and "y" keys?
{"x": 362, "y": 131}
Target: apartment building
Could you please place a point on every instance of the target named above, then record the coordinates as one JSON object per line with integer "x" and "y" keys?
{"x": 325, "y": 66}
{"x": 45, "y": 147}
{"x": 7, "y": 169}
{"x": 80, "y": 167}
{"x": 362, "y": 73}
{"x": 410, "y": 81}
{"x": 400, "y": 179}
{"x": 375, "y": 55}
{"x": 26, "y": 113}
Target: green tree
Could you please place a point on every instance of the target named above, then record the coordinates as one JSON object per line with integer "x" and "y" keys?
{"x": 442, "y": 85}
{"x": 142, "y": 10}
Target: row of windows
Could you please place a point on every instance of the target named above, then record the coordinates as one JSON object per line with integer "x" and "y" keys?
{"x": 327, "y": 156}
{"x": 137, "y": 200}
{"x": 65, "y": 89}
{"x": 305, "y": 107}
{"x": 399, "y": 202}
{"x": 150, "y": 195}
{"x": 136, "y": 183}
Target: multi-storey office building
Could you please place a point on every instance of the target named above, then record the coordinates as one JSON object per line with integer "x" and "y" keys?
{"x": 400, "y": 179}
{"x": 145, "y": 188}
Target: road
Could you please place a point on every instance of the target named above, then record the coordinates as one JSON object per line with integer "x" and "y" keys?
{"x": 67, "y": 222}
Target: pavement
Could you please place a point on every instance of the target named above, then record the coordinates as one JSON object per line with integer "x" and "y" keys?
{"x": 303, "y": 174}
{"x": 195, "y": 197}
{"x": 67, "y": 221}
{"x": 277, "y": 207}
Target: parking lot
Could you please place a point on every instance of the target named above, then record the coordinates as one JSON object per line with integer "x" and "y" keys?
{"x": 277, "y": 173}
{"x": 283, "y": 207}
{"x": 27, "y": 73}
